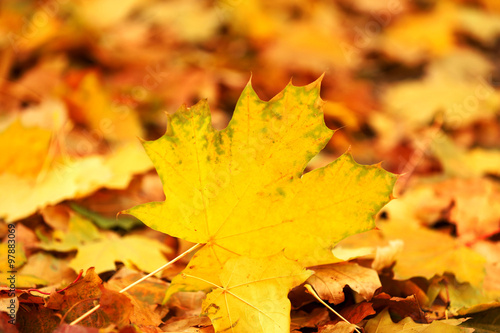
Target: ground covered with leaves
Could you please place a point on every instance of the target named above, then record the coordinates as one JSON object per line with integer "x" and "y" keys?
{"x": 262, "y": 173}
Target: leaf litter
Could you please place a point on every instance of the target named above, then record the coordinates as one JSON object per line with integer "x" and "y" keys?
{"x": 78, "y": 91}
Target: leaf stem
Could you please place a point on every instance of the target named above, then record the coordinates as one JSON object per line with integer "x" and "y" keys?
{"x": 88, "y": 313}
{"x": 313, "y": 292}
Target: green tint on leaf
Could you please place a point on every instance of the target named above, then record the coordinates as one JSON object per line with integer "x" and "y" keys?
{"x": 80, "y": 231}
{"x": 122, "y": 222}
{"x": 242, "y": 191}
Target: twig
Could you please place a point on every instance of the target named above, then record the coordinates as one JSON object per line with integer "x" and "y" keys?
{"x": 88, "y": 313}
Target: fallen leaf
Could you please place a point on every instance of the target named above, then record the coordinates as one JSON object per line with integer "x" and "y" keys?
{"x": 384, "y": 323}
{"x": 5, "y": 326}
{"x": 301, "y": 319}
{"x": 79, "y": 232}
{"x": 49, "y": 268}
{"x": 354, "y": 314}
{"x": 484, "y": 196}
{"x": 357, "y": 312}
{"x": 117, "y": 307}
{"x": 24, "y": 36}
{"x": 185, "y": 19}
{"x": 95, "y": 108}
{"x": 415, "y": 34}
{"x": 370, "y": 245}
{"x": 25, "y": 281}
{"x": 463, "y": 298}
{"x": 452, "y": 87}
{"x": 481, "y": 25}
{"x": 10, "y": 306}
{"x": 491, "y": 251}
{"x": 399, "y": 67}
{"x": 65, "y": 328}
{"x": 450, "y": 200}
{"x": 56, "y": 216}
{"x": 25, "y": 149}
{"x": 22, "y": 280}
{"x": 69, "y": 178}
{"x": 484, "y": 322}
{"x": 459, "y": 162}
{"x": 145, "y": 297}
{"x": 130, "y": 250}
{"x": 340, "y": 327}
{"x": 150, "y": 291}
{"x": 225, "y": 178}
{"x": 404, "y": 307}
{"x": 186, "y": 304}
{"x": 40, "y": 164}
{"x": 19, "y": 254}
{"x": 36, "y": 318}
{"x": 144, "y": 314}
{"x": 329, "y": 281}
{"x": 123, "y": 222}
{"x": 110, "y": 15}
{"x": 428, "y": 253}
{"x": 251, "y": 293}
{"x": 194, "y": 324}
{"x": 80, "y": 297}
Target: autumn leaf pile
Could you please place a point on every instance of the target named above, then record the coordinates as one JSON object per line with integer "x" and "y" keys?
{"x": 282, "y": 183}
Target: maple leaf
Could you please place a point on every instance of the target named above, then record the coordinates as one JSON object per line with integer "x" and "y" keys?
{"x": 242, "y": 191}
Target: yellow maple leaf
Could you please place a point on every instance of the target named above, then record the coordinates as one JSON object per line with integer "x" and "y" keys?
{"x": 242, "y": 191}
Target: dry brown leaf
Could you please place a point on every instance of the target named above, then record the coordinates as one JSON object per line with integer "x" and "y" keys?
{"x": 330, "y": 280}
{"x": 404, "y": 307}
